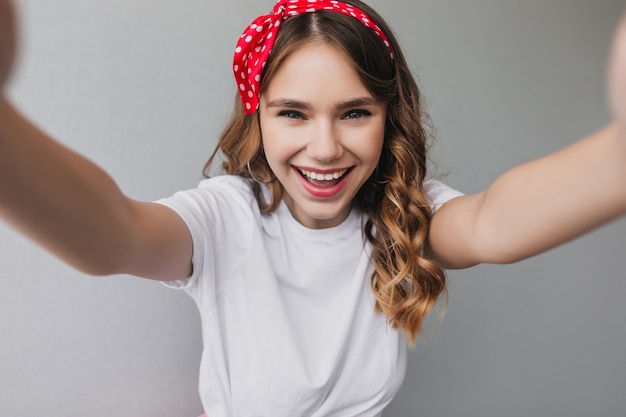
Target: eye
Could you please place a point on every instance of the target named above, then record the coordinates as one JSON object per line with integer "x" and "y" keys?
{"x": 291, "y": 114}
{"x": 356, "y": 114}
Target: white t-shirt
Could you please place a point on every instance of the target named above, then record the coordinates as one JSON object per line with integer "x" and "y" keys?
{"x": 288, "y": 320}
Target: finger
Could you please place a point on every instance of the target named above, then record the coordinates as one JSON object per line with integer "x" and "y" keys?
{"x": 7, "y": 40}
{"x": 616, "y": 82}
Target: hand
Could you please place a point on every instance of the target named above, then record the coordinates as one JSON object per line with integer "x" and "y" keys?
{"x": 7, "y": 40}
{"x": 616, "y": 84}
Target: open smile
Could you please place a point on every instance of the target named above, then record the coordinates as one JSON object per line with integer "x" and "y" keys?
{"x": 323, "y": 184}
{"x": 323, "y": 176}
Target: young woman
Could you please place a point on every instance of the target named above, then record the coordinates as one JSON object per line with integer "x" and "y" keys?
{"x": 315, "y": 259}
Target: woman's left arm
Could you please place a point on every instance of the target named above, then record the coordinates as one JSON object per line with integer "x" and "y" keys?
{"x": 537, "y": 205}
{"x": 547, "y": 202}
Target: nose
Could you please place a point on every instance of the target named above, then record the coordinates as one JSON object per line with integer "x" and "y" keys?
{"x": 324, "y": 143}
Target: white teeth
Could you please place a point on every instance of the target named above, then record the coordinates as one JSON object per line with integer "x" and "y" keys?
{"x": 323, "y": 177}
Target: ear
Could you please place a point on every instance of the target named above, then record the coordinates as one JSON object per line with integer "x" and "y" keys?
{"x": 7, "y": 40}
{"x": 616, "y": 78}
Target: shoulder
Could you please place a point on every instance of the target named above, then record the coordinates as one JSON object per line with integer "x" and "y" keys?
{"x": 227, "y": 184}
{"x": 224, "y": 191}
{"x": 221, "y": 197}
{"x": 220, "y": 214}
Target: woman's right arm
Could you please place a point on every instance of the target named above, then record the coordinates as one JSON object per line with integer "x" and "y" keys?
{"x": 72, "y": 207}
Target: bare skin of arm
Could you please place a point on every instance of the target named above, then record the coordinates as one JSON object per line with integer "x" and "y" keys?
{"x": 547, "y": 202}
{"x": 536, "y": 206}
{"x": 74, "y": 209}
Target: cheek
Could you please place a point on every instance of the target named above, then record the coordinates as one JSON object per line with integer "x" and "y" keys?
{"x": 371, "y": 148}
{"x": 267, "y": 139}
{"x": 373, "y": 153}
{"x": 275, "y": 145}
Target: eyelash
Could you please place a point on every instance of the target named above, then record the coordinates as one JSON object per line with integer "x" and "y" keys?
{"x": 291, "y": 114}
{"x": 356, "y": 114}
{"x": 350, "y": 115}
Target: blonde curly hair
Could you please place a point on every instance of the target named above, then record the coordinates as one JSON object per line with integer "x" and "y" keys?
{"x": 406, "y": 284}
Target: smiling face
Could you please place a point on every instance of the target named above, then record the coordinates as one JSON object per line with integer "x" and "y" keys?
{"x": 323, "y": 133}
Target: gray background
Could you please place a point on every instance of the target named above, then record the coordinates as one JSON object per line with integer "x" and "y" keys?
{"x": 143, "y": 86}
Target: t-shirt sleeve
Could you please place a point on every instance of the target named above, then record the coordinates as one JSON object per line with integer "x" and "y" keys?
{"x": 184, "y": 204}
{"x": 218, "y": 215}
{"x": 439, "y": 194}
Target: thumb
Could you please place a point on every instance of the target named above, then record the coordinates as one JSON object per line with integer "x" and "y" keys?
{"x": 616, "y": 77}
{"x": 7, "y": 40}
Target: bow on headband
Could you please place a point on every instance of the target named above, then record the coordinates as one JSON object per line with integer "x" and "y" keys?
{"x": 256, "y": 42}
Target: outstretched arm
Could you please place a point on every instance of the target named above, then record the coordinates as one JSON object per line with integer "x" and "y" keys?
{"x": 72, "y": 207}
{"x": 543, "y": 203}
{"x": 536, "y": 206}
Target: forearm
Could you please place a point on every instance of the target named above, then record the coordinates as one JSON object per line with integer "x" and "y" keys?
{"x": 60, "y": 199}
{"x": 547, "y": 202}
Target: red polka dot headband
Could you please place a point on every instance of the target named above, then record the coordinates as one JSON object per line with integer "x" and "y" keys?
{"x": 256, "y": 42}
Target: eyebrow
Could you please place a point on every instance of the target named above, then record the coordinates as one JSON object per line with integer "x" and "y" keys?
{"x": 357, "y": 102}
{"x": 302, "y": 105}
{"x": 292, "y": 104}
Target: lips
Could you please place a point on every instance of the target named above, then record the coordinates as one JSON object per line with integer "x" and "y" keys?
{"x": 323, "y": 184}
